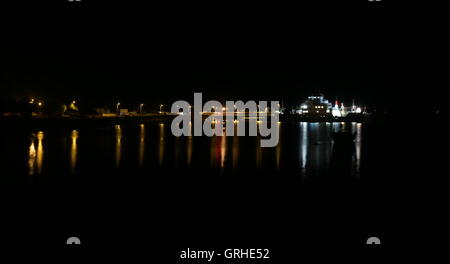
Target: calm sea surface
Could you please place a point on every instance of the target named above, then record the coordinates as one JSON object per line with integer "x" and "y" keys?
{"x": 138, "y": 181}
{"x": 305, "y": 150}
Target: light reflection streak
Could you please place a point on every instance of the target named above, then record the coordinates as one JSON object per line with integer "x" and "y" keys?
{"x": 189, "y": 146}
{"x": 278, "y": 148}
{"x": 161, "y": 145}
{"x": 73, "y": 151}
{"x": 31, "y": 158}
{"x": 303, "y": 144}
{"x": 118, "y": 145}
{"x": 36, "y": 156}
{"x": 40, "y": 152}
{"x": 358, "y": 142}
{"x": 141, "y": 145}
{"x": 223, "y": 150}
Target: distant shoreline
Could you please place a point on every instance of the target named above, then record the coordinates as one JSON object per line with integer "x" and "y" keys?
{"x": 95, "y": 121}
{"x": 73, "y": 122}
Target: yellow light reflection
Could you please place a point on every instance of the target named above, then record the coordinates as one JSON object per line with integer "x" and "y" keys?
{"x": 40, "y": 152}
{"x": 31, "y": 158}
{"x": 73, "y": 151}
{"x": 161, "y": 144}
{"x": 223, "y": 151}
{"x": 141, "y": 146}
{"x": 36, "y": 155}
{"x": 118, "y": 145}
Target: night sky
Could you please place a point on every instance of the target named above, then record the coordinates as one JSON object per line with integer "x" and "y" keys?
{"x": 384, "y": 56}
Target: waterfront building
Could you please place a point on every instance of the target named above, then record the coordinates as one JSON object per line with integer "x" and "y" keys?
{"x": 318, "y": 106}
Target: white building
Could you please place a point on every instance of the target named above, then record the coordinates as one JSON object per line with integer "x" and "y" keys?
{"x": 316, "y": 105}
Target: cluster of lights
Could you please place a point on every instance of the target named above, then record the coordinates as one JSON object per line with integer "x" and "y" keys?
{"x": 32, "y": 101}
{"x": 141, "y": 106}
{"x": 338, "y": 110}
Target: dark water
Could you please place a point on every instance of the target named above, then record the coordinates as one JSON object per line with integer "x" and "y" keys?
{"x": 304, "y": 151}
{"x": 138, "y": 182}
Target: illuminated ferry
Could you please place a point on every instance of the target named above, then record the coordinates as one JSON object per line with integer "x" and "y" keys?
{"x": 317, "y": 106}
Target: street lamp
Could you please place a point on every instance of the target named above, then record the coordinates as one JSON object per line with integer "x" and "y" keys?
{"x": 140, "y": 107}
{"x": 117, "y": 108}
{"x": 160, "y": 108}
{"x": 39, "y": 107}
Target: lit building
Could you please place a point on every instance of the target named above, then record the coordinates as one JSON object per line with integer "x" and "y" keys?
{"x": 317, "y": 106}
